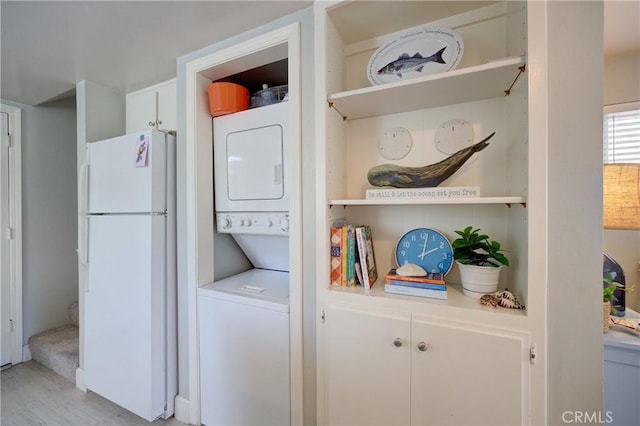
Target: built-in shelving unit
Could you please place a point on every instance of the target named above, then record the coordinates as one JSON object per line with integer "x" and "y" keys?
{"x": 509, "y": 81}
{"x": 486, "y": 81}
{"x": 489, "y": 89}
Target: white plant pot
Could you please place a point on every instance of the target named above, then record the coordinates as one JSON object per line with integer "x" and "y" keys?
{"x": 479, "y": 280}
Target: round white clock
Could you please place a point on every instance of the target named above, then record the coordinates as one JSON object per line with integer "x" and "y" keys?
{"x": 453, "y": 135}
{"x": 395, "y": 143}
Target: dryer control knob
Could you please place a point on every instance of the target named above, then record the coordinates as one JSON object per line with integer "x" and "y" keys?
{"x": 284, "y": 224}
{"x": 248, "y": 222}
{"x": 269, "y": 223}
{"x": 241, "y": 222}
{"x": 226, "y": 222}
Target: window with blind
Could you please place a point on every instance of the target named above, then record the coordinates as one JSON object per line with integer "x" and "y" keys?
{"x": 622, "y": 136}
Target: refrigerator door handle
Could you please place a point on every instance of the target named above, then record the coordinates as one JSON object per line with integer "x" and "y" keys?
{"x": 84, "y": 246}
{"x": 84, "y": 186}
{"x": 83, "y": 256}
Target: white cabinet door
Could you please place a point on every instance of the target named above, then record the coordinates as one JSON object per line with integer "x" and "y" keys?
{"x": 141, "y": 109}
{"x": 168, "y": 105}
{"x": 464, "y": 375}
{"x": 367, "y": 374}
{"x": 153, "y": 103}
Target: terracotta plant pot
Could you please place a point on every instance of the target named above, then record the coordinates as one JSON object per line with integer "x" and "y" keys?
{"x": 606, "y": 313}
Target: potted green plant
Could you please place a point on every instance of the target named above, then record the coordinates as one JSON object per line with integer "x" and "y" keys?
{"x": 608, "y": 296}
{"x": 480, "y": 260}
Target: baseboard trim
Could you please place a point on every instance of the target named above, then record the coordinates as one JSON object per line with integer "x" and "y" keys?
{"x": 80, "y": 380}
{"x": 182, "y": 409}
{"x": 26, "y": 353}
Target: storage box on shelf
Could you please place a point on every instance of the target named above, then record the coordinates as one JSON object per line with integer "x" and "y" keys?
{"x": 492, "y": 66}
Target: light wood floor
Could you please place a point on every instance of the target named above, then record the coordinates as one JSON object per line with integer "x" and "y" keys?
{"x": 34, "y": 395}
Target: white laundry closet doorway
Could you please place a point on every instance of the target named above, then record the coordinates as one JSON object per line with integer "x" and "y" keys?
{"x": 10, "y": 236}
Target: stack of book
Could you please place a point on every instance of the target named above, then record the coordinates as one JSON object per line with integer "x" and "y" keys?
{"x": 352, "y": 258}
{"x": 431, "y": 285}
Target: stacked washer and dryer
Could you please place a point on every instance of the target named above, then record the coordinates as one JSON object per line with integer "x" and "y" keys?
{"x": 244, "y": 319}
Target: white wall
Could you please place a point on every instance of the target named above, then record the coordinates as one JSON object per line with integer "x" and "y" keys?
{"x": 49, "y": 231}
{"x": 621, "y": 81}
{"x": 622, "y": 85}
{"x": 574, "y": 252}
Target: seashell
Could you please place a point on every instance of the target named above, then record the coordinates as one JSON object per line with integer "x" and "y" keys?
{"x": 505, "y": 294}
{"x": 506, "y": 299}
{"x": 506, "y": 303}
{"x": 489, "y": 300}
{"x": 411, "y": 270}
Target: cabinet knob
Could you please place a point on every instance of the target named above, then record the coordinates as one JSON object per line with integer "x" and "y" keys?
{"x": 422, "y": 346}
{"x": 397, "y": 342}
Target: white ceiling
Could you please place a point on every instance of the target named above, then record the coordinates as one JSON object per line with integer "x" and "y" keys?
{"x": 48, "y": 46}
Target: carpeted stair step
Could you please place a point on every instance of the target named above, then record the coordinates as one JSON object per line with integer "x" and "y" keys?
{"x": 58, "y": 349}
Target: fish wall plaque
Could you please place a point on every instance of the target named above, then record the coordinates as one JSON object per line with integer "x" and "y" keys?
{"x": 417, "y": 52}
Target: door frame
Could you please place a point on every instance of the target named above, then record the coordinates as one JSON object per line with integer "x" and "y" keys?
{"x": 14, "y": 233}
{"x": 198, "y": 132}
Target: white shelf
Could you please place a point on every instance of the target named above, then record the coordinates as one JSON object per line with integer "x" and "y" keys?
{"x": 476, "y": 83}
{"x": 455, "y": 298}
{"x": 437, "y": 201}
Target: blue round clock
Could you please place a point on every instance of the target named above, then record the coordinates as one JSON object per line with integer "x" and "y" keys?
{"x": 425, "y": 247}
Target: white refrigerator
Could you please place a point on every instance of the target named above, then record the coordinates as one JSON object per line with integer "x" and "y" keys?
{"x": 130, "y": 331}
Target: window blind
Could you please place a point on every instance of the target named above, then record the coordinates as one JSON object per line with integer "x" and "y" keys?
{"x": 622, "y": 137}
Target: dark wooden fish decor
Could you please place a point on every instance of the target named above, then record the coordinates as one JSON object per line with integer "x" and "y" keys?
{"x": 423, "y": 177}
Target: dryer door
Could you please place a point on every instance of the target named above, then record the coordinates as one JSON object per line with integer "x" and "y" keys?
{"x": 250, "y": 159}
{"x": 255, "y": 164}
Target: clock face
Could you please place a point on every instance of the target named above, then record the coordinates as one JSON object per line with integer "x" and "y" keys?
{"x": 425, "y": 247}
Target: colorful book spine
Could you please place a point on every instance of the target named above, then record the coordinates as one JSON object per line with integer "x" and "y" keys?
{"x": 358, "y": 270}
{"x": 412, "y": 291}
{"x": 356, "y": 255}
{"x": 351, "y": 256}
{"x": 336, "y": 256}
{"x": 372, "y": 271}
{"x": 343, "y": 253}
{"x": 364, "y": 240}
{"x": 362, "y": 253}
{"x": 432, "y": 278}
{"x": 416, "y": 284}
